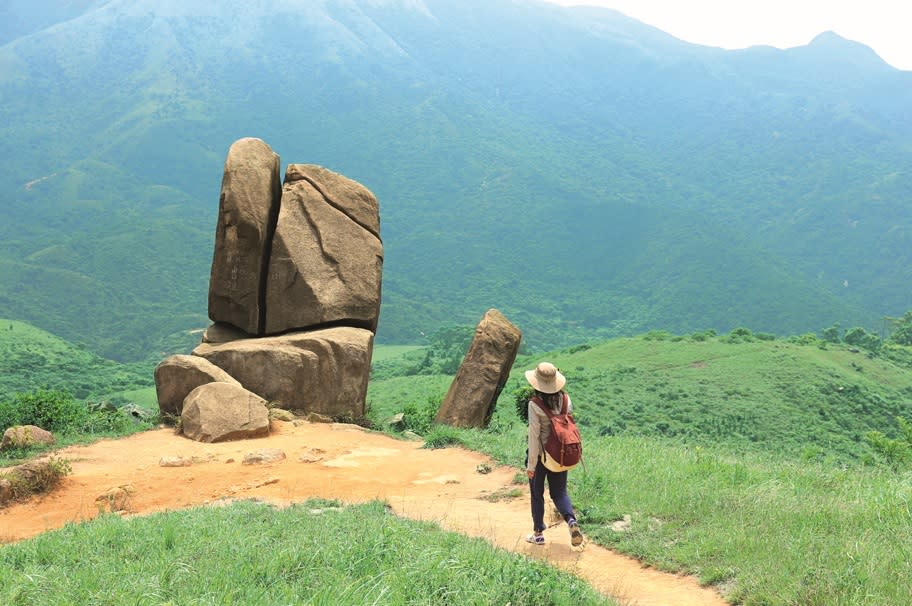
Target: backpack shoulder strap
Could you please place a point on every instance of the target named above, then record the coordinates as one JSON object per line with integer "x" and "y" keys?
{"x": 565, "y": 403}
{"x": 542, "y": 405}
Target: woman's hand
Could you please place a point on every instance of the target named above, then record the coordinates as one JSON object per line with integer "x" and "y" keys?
{"x": 531, "y": 474}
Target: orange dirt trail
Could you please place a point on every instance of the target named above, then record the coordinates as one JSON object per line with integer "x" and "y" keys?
{"x": 341, "y": 462}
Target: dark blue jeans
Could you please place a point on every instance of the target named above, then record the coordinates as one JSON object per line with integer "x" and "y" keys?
{"x": 557, "y": 488}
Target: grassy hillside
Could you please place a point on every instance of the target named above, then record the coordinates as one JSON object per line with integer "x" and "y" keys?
{"x": 32, "y": 359}
{"x": 740, "y": 392}
{"x": 763, "y": 490}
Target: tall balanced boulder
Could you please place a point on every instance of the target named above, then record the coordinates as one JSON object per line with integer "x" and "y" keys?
{"x": 248, "y": 210}
{"x": 322, "y": 371}
{"x": 294, "y": 291}
{"x": 327, "y": 257}
{"x": 483, "y": 373}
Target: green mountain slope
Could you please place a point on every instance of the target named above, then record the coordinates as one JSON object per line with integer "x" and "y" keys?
{"x": 588, "y": 175}
{"x": 31, "y": 359}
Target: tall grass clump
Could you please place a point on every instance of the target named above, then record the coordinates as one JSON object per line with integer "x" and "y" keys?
{"x": 313, "y": 553}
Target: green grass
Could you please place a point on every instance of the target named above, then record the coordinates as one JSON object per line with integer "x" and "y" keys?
{"x": 146, "y": 398}
{"x": 764, "y": 528}
{"x": 383, "y": 353}
{"x": 812, "y": 401}
{"x": 767, "y": 529}
{"x": 776, "y": 396}
{"x": 68, "y": 419}
{"x": 314, "y": 553}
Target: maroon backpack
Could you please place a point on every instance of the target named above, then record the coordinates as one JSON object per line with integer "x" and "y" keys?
{"x": 564, "y": 447}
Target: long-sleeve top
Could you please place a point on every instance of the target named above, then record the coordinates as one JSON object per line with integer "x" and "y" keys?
{"x": 539, "y": 431}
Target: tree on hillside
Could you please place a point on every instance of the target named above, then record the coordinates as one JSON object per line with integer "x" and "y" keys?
{"x": 902, "y": 330}
{"x": 446, "y": 350}
{"x": 859, "y": 337}
{"x": 831, "y": 334}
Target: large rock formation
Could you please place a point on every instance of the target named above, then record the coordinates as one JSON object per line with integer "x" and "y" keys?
{"x": 323, "y": 371}
{"x": 483, "y": 373}
{"x": 292, "y": 257}
{"x": 294, "y": 292}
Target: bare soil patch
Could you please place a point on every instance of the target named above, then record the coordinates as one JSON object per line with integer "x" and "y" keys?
{"x": 460, "y": 490}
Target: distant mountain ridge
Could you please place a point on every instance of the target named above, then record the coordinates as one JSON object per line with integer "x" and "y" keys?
{"x": 587, "y": 174}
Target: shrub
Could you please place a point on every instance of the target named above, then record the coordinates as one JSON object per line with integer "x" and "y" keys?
{"x": 859, "y": 337}
{"x": 895, "y": 452}
{"x": 420, "y": 418}
{"x": 51, "y": 409}
{"x": 657, "y": 335}
{"x": 902, "y": 333}
{"x": 441, "y": 436}
{"x": 703, "y": 336}
{"x": 521, "y": 396}
{"x": 808, "y": 338}
{"x": 831, "y": 334}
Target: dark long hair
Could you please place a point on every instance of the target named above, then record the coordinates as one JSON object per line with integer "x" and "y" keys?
{"x": 554, "y": 401}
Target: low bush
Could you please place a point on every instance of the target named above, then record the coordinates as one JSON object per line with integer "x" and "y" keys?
{"x": 48, "y": 409}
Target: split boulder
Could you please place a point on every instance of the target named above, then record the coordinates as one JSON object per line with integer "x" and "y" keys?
{"x": 327, "y": 257}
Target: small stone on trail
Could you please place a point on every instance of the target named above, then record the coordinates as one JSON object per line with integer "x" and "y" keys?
{"x": 116, "y": 499}
{"x": 263, "y": 456}
{"x": 311, "y": 456}
{"x": 175, "y": 462}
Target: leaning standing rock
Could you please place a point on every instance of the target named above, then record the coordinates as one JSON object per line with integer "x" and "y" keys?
{"x": 483, "y": 373}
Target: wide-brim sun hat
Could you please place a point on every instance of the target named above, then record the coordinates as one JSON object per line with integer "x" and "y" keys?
{"x": 546, "y": 378}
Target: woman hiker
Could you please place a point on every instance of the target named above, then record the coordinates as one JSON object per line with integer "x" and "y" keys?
{"x": 548, "y": 383}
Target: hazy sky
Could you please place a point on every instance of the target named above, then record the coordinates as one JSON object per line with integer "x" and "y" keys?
{"x": 883, "y": 25}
